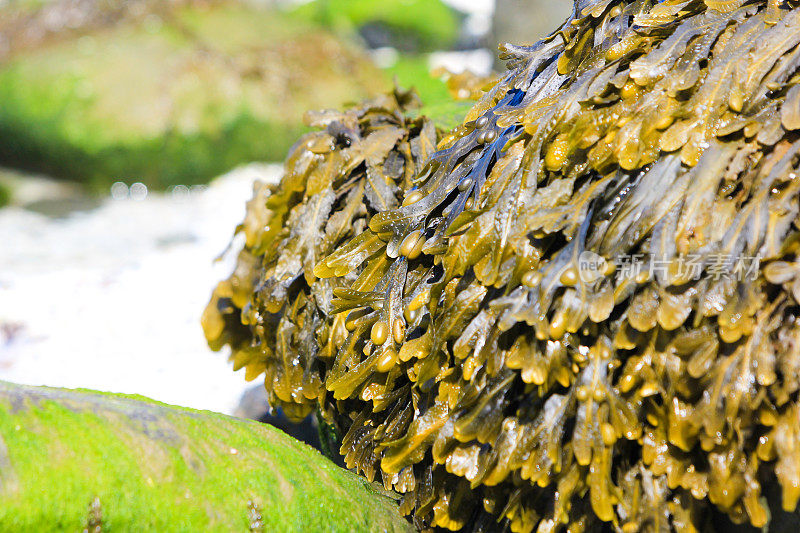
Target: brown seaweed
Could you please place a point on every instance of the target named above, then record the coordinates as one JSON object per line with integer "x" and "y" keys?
{"x": 582, "y": 310}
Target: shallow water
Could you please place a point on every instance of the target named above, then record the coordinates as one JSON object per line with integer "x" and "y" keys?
{"x": 110, "y": 298}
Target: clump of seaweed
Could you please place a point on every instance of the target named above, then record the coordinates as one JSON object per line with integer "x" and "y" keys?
{"x": 273, "y": 311}
{"x": 585, "y": 313}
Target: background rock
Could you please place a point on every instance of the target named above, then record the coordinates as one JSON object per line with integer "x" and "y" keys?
{"x": 173, "y": 95}
{"x": 408, "y": 25}
{"x": 526, "y": 21}
{"x": 253, "y": 406}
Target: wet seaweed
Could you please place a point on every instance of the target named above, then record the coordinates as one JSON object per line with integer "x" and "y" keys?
{"x": 582, "y": 311}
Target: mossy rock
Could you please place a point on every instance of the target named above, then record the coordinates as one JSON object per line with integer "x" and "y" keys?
{"x": 5, "y": 194}
{"x": 409, "y": 25}
{"x": 174, "y": 98}
{"x": 71, "y": 460}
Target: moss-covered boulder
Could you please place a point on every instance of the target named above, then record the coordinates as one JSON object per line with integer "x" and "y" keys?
{"x": 82, "y": 460}
{"x": 409, "y": 25}
{"x": 174, "y": 96}
{"x": 5, "y": 195}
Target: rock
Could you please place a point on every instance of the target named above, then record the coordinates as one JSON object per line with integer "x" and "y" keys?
{"x": 410, "y": 25}
{"x": 174, "y": 96}
{"x": 77, "y": 460}
{"x": 525, "y": 21}
{"x": 25, "y": 25}
{"x": 254, "y": 406}
{"x": 55, "y": 198}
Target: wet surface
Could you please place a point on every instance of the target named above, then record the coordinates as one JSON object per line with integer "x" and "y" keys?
{"x": 108, "y": 294}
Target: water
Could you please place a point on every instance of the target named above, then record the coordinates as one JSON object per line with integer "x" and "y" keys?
{"x": 109, "y": 296}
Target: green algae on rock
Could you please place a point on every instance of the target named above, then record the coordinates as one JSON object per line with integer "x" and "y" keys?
{"x": 408, "y": 25}
{"x": 584, "y": 314}
{"x": 175, "y": 97}
{"x": 5, "y": 195}
{"x": 75, "y": 460}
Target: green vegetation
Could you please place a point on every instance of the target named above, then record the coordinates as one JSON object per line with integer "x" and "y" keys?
{"x": 414, "y": 25}
{"x": 5, "y": 195}
{"x": 178, "y": 100}
{"x": 73, "y": 460}
{"x": 423, "y": 25}
{"x": 187, "y": 93}
{"x": 412, "y": 71}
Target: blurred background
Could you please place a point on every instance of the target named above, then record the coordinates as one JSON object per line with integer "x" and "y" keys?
{"x": 131, "y": 132}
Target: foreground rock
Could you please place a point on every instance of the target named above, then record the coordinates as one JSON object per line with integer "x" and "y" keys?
{"x": 76, "y": 460}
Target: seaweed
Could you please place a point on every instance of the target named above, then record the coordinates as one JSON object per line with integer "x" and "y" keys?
{"x": 580, "y": 312}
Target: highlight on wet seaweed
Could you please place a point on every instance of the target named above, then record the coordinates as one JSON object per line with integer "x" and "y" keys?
{"x": 579, "y": 310}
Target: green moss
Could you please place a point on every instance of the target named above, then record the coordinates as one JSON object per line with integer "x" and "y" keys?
{"x": 424, "y": 25}
{"x": 154, "y": 467}
{"x": 447, "y": 115}
{"x": 412, "y": 70}
{"x": 173, "y": 158}
{"x": 5, "y": 195}
{"x": 175, "y": 102}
